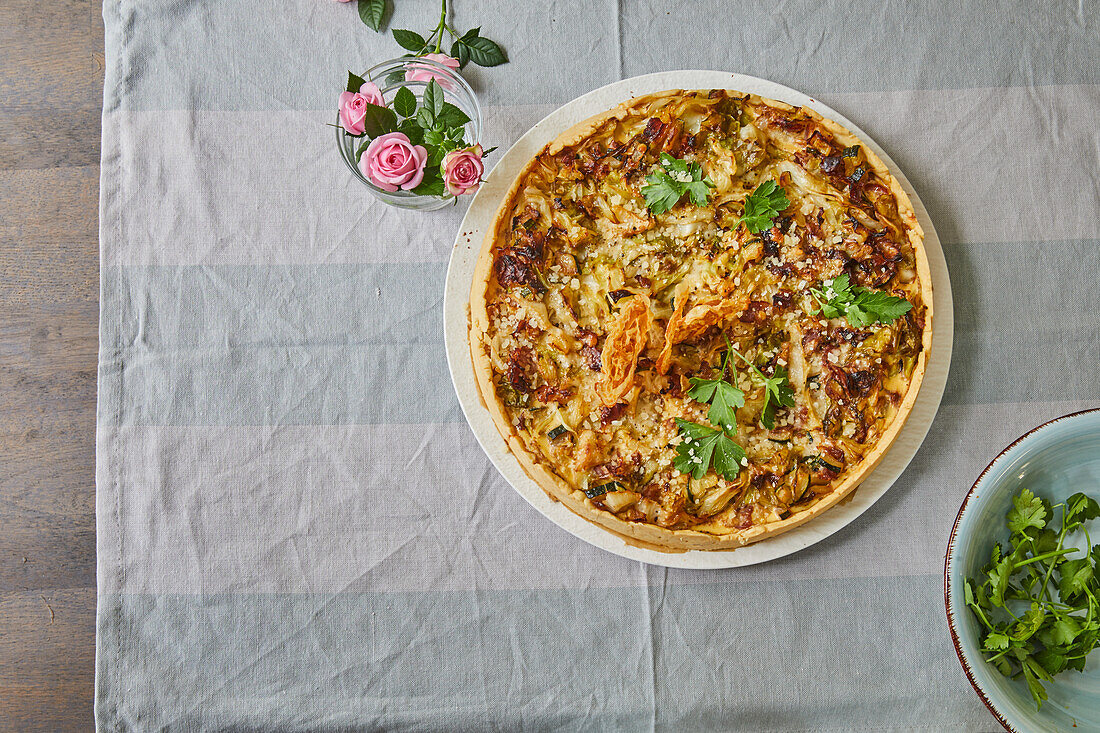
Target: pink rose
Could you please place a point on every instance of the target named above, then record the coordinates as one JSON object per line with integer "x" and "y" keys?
{"x": 353, "y": 106}
{"x": 391, "y": 161}
{"x": 462, "y": 170}
{"x": 425, "y": 73}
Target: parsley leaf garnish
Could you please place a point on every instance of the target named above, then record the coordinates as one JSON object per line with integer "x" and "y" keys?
{"x": 777, "y": 391}
{"x": 862, "y": 307}
{"x": 1027, "y": 511}
{"x": 1038, "y": 608}
{"x": 763, "y": 205}
{"x": 667, "y": 185}
{"x": 702, "y": 445}
{"x": 724, "y": 398}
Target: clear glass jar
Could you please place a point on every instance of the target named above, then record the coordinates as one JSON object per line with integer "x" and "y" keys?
{"x": 391, "y": 76}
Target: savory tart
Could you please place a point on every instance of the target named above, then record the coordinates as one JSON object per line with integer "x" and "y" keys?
{"x": 701, "y": 318}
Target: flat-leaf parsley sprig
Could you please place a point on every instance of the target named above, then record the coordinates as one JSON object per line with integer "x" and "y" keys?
{"x": 673, "y": 178}
{"x": 861, "y": 306}
{"x": 702, "y": 446}
{"x": 763, "y": 205}
{"x": 777, "y": 391}
{"x": 1038, "y": 608}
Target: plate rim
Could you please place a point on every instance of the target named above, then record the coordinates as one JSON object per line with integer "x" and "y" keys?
{"x": 467, "y": 245}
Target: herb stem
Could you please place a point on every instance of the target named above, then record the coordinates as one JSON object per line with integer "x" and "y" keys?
{"x": 1044, "y": 556}
{"x": 1061, "y": 539}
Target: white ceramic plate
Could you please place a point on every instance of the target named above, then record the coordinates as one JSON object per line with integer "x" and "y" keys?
{"x": 480, "y": 217}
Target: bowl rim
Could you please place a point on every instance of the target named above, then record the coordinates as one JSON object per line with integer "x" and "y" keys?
{"x": 950, "y": 551}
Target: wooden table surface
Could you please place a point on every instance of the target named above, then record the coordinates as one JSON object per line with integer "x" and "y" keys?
{"x": 51, "y": 92}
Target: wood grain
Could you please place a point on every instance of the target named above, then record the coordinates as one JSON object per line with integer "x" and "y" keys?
{"x": 51, "y": 88}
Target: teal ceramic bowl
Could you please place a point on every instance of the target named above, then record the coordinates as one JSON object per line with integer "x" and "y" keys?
{"x": 1054, "y": 460}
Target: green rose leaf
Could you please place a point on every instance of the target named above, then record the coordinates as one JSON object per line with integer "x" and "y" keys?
{"x": 460, "y": 52}
{"x": 452, "y": 116}
{"x": 378, "y": 121}
{"x": 355, "y": 83}
{"x": 409, "y": 40}
{"x": 484, "y": 52}
{"x": 372, "y": 12}
{"x": 433, "y": 98}
{"x": 404, "y": 102}
{"x": 432, "y": 185}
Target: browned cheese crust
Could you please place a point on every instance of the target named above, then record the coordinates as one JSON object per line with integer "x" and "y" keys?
{"x": 589, "y": 315}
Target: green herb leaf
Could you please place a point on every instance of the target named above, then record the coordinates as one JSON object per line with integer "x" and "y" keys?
{"x": 378, "y": 121}
{"x": 998, "y": 580}
{"x": 667, "y": 185}
{"x": 724, "y": 400}
{"x": 404, "y": 102}
{"x": 996, "y": 641}
{"x": 1030, "y": 622}
{"x": 1081, "y": 508}
{"x": 777, "y": 391}
{"x": 763, "y": 205}
{"x": 355, "y": 83}
{"x": 727, "y": 458}
{"x": 409, "y": 40}
{"x": 1065, "y": 630}
{"x": 1038, "y": 693}
{"x": 700, "y": 445}
{"x": 1074, "y": 577}
{"x": 880, "y": 307}
{"x": 661, "y": 192}
{"x": 862, "y": 307}
{"x": 372, "y": 12}
{"x": 1051, "y": 661}
{"x": 484, "y": 52}
{"x": 1027, "y": 511}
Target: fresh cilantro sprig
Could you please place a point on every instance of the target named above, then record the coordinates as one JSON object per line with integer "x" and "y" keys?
{"x": 1026, "y": 632}
{"x": 861, "y": 306}
{"x": 668, "y": 183}
{"x": 777, "y": 391}
{"x": 701, "y": 445}
{"x": 763, "y": 205}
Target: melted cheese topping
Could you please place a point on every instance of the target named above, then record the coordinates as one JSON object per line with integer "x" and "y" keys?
{"x": 600, "y": 312}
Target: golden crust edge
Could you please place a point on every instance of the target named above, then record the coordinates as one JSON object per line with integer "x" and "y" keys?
{"x": 647, "y": 535}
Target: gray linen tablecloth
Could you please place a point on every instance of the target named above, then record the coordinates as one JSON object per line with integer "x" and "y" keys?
{"x": 297, "y": 530}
